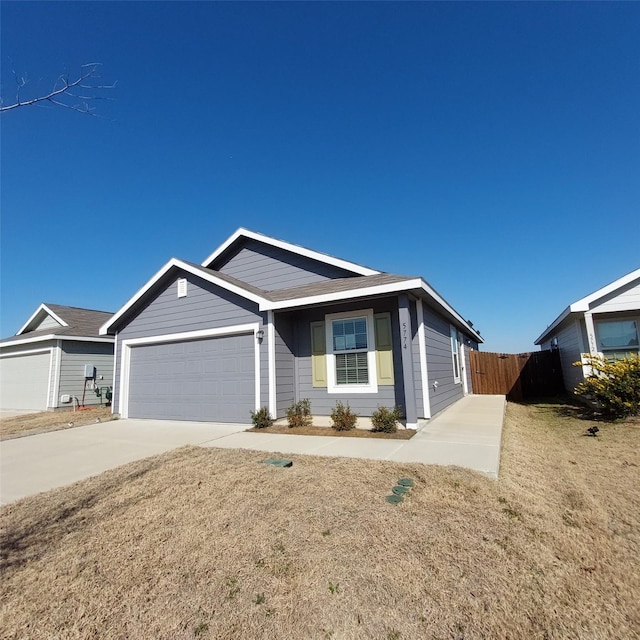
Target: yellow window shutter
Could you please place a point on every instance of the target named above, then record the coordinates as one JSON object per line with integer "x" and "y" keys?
{"x": 384, "y": 352}
{"x": 318, "y": 354}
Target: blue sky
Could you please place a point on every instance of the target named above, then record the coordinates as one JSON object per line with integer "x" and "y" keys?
{"x": 492, "y": 148}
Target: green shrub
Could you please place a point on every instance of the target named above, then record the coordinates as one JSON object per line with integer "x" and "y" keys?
{"x": 385, "y": 420}
{"x": 343, "y": 418}
{"x": 299, "y": 414}
{"x": 614, "y": 386}
{"x": 261, "y": 418}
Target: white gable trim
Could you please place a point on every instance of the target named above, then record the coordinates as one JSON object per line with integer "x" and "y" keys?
{"x": 281, "y": 244}
{"x": 53, "y": 336}
{"x": 584, "y": 304}
{"x": 42, "y": 307}
{"x": 184, "y": 266}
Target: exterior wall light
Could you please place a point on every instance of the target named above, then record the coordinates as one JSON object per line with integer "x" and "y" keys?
{"x": 259, "y": 335}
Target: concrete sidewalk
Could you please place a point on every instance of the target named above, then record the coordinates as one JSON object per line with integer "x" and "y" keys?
{"x": 467, "y": 434}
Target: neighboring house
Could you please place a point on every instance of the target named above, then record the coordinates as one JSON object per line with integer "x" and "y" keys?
{"x": 262, "y": 322}
{"x": 604, "y": 323}
{"x": 58, "y": 355}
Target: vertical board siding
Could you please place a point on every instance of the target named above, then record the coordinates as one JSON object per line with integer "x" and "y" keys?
{"x": 440, "y": 362}
{"x": 417, "y": 371}
{"x": 74, "y": 355}
{"x": 206, "y": 306}
{"x": 271, "y": 268}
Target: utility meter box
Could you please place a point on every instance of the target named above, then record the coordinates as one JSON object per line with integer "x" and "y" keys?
{"x": 89, "y": 371}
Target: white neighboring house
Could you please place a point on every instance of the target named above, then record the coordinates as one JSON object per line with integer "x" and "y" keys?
{"x": 56, "y": 356}
{"x": 606, "y": 323}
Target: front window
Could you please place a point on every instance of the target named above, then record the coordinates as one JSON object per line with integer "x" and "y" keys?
{"x": 618, "y": 338}
{"x": 352, "y": 352}
{"x": 455, "y": 353}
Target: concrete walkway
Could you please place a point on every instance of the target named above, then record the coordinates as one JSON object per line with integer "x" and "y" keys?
{"x": 467, "y": 434}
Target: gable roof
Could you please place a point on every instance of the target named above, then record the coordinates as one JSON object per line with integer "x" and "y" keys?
{"x": 586, "y": 303}
{"x": 242, "y": 233}
{"x": 336, "y": 290}
{"x": 75, "y": 323}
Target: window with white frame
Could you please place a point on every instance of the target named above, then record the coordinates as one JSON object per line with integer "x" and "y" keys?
{"x": 617, "y": 338}
{"x": 351, "y": 352}
{"x": 455, "y": 354}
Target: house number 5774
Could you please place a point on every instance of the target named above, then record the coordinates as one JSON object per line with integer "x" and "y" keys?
{"x": 404, "y": 335}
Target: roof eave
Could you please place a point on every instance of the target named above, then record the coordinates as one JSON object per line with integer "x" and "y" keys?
{"x": 34, "y": 315}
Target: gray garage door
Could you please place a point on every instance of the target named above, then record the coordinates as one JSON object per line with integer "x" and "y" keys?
{"x": 24, "y": 381}
{"x": 210, "y": 380}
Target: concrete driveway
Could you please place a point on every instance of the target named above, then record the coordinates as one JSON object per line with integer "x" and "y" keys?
{"x": 45, "y": 461}
{"x": 467, "y": 434}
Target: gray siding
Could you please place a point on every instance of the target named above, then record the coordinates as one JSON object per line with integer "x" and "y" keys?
{"x": 74, "y": 355}
{"x": 363, "y": 404}
{"x": 570, "y": 352}
{"x": 271, "y": 268}
{"x": 206, "y": 306}
{"x": 440, "y": 362}
{"x": 47, "y": 323}
{"x": 285, "y": 364}
{"x": 417, "y": 372}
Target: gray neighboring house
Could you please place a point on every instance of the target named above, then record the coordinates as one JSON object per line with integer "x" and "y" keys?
{"x": 606, "y": 322}
{"x": 262, "y": 322}
{"x": 47, "y": 363}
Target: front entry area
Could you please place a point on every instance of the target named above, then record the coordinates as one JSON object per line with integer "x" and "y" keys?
{"x": 207, "y": 380}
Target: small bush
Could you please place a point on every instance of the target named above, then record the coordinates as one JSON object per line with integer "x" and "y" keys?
{"x": 343, "y": 418}
{"x": 385, "y": 420}
{"x": 261, "y": 418}
{"x": 299, "y": 414}
{"x": 615, "y": 386}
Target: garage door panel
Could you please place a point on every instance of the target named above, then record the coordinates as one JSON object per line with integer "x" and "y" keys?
{"x": 24, "y": 381}
{"x": 206, "y": 380}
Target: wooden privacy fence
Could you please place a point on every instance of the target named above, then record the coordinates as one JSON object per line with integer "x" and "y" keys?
{"x": 519, "y": 376}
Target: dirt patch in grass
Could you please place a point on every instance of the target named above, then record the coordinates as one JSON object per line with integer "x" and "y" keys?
{"x": 32, "y": 423}
{"x": 211, "y": 543}
{"x": 400, "y": 434}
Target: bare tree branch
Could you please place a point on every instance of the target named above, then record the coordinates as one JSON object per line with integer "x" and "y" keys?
{"x": 63, "y": 94}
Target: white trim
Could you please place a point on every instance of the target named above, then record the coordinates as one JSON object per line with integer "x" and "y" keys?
{"x": 55, "y": 401}
{"x": 189, "y": 268}
{"x": 393, "y": 287}
{"x": 584, "y": 304}
{"x": 424, "y": 371}
{"x": 457, "y": 375}
{"x": 42, "y": 307}
{"x": 287, "y": 246}
{"x": 332, "y": 386}
{"x": 32, "y": 352}
{"x": 463, "y": 370}
{"x": 123, "y": 402}
{"x": 271, "y": 359}
{"x": 113, "y": 381}
{"x": 52, "y": 336}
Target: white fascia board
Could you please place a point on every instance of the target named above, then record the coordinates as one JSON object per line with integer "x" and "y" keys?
{"x": 42, "y": 307}
{"x": 53, "y": 336}
{"x": 449, "y": 309}
{"x": 302, "y": 251}
{"x": 183, "y": 266}
{"x": 554, "y": 324}
{"x": 337, "y": 296}
{"x": 584, "y": 303}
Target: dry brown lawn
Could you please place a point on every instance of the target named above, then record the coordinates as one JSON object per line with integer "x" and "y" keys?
{"x": 30, "y": 424}
{"x": 208, "y": 543}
